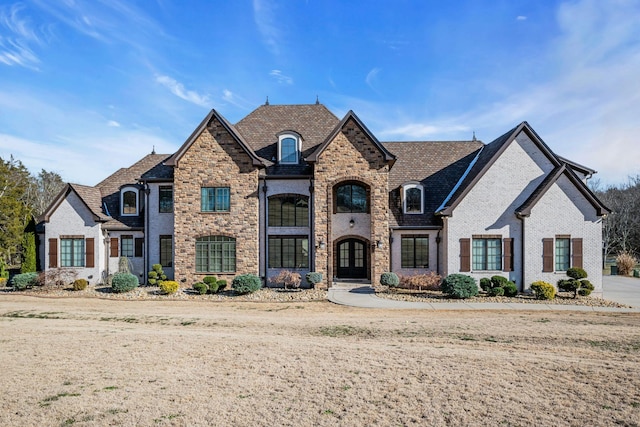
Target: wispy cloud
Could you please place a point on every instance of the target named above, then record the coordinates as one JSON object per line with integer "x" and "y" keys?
{"x": 16, "y": 37}
{"x": 113, "y": 124}
{"x": 281, "y": 78}
{"x": 265, "y": 18}
{"x": 235, "y": 100}
{"x": 179, "y": 90}
{"x": 521, "y": 18}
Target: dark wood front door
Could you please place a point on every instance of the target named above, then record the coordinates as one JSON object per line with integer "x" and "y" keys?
{"x": 352, "y": 259}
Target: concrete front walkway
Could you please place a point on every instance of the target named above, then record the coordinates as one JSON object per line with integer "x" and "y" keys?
{"x": 359, "y": 295}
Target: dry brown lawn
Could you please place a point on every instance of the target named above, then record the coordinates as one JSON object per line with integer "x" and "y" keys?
{"x": 82, "y": 361}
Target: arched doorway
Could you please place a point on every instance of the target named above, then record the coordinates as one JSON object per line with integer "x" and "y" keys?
{"x": 351, "y": 259}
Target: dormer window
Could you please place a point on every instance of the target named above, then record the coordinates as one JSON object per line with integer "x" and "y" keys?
{"x": 129, "y": 201}
{"x": 289, "y": 144}
{"x": 412, "y": 198}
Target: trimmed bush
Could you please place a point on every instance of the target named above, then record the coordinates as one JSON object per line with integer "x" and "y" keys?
{"x": 169, "y": 287}
{"x": 213, "y": 288}
{"x": 221, "y": 285}
{"x": 123, "y": 282}
{"x": 625, "y": 262}
{"x": 201, "y": 287}
{"x": 389, "y": 279}
{"x": 22, "y": 281}
{"x": 485, "y": 284}
{"x": 498, "y": 281}
{"x": 156, "y": 276}
{"x": 246, "y": 283}
{"x": 80, "y": 284}
{"x": 313, "y": 278}
{"x": 510, "y": 289}
{"x": 459, "y": 286}
{"x": 576, "y": 273}
{"x": 496, "y": 292}
{"x": 586, "y": 287}
{"x": 209, "y": 280}
{"x": 3, "y": 282}
{"x": 543, "y": 290}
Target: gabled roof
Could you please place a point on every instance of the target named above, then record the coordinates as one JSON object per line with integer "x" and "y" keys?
{"x": 260, "y": 128}
{"x": 577, "y": 166}
{"x": 552, "y": 178}
{"x": 175, "y": 158}
{"x": 486, "y": 158}
{"x": 313, "y": 157}
{"x": 436, "y": 165}
{"x": 110, "y": 189}
{"x": 90, "y": 197}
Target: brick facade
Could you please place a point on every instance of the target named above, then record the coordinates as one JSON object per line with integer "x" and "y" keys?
{"x": 215, "y": 159}
{"x": 352, "y": 156}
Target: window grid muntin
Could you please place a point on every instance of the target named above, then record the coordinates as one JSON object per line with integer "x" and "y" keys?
{"x": 288, "y": 252}
{"x": 563, "y": 254}
{"x": 288, "y": 211}
{"x": 215, "y": 254}
{"x": 72, "y": 252}
{"x": 487, "y": 254}
{"x": 288, "y": 150}
{"x": 126, "y": 246}
{"x": 413, "y": 200}
{"x": 165, "y": 199}
{"x": 215, "y": 199}
{"x": 129, "y": 203}
{"x": 414, "y": 251}
{"x": 166, "y": 251}
{"x": 351, "y": 198}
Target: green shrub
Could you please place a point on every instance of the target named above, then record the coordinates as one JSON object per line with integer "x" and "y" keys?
{"x": 576, "y": 273}
{"x": 459, "y": 286}
{"x": 221, "y": 285}
{"x": 389, "y": 279}
{"x": 313, "y": 278}
{"x": 28, "y": 253}
{"x": 209, "y": 280}
{"x": 4, "y": 273}
{"x": 586, "y": 287}
{"x": 213, "y": 288}
{"x": 123, "y": 282}
{"x": 80, "y": 284}
{"x": 156, "y": 276}
{"x": 510, "y": 289}
{"x": 498, "y": 281}
{"x": 485, "y": 284}
{"x": 22, "y": 281}
{"x": 543, "y": 290}
{"x": 169, "y": 286}
{"x": 496, "y": 291}
{"x": 246, "y": 283}
{"x": 201, "y": 287}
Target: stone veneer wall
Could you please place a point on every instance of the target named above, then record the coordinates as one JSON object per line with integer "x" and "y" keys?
{"x": 215, "y": 159}
{"x": 352, "y": 156}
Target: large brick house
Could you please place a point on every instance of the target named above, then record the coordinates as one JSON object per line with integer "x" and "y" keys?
{"x": 295, "y": 187}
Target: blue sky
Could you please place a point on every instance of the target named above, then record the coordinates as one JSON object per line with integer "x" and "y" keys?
{"x": 89, "y": 86}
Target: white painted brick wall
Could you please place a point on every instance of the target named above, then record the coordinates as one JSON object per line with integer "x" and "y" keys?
{"x": 160, "y": 223}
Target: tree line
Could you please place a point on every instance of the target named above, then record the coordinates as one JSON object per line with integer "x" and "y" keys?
{"x": 23, "y": 197}
{"x": 621, "y": 228}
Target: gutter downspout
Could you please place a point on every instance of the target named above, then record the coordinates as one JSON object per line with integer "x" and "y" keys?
{"x": 265, "y": 255}
{"x": 438, "y": 240}
{"x": 522, "y": 260}
{"x": 145, "y": 270}
{"x": 312, "y": 234}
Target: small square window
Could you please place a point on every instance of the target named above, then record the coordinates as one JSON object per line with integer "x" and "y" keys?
{"x": 215, "y": 199}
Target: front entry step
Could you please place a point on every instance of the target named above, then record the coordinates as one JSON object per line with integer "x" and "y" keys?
{"x": 350, "y": 283}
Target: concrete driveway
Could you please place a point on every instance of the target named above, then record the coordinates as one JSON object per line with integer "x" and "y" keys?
{"x": 625, "y": 290}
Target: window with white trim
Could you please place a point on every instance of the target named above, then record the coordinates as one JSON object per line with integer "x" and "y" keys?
{"x": 288, "y": 148}
{"x": 412, "y": 198}
{"x": 129, "y": 201}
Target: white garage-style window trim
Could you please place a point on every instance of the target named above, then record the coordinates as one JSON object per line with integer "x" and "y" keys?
{"x": 289, "y": 146}
{"x": 412, "y": 198}
{"x": 129, "y": 201}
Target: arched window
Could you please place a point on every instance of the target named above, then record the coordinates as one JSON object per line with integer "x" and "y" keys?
{"x": 289, "y": 211}
{"x": 288, "y": 148}
{"x": 412, "y": 198}
{"x": 215, "y": 254}
{"x": 129, "y": 201}
{"x": 351, "y": 197}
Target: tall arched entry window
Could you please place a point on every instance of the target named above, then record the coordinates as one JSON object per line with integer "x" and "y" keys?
{"x": 352, "y": 197}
